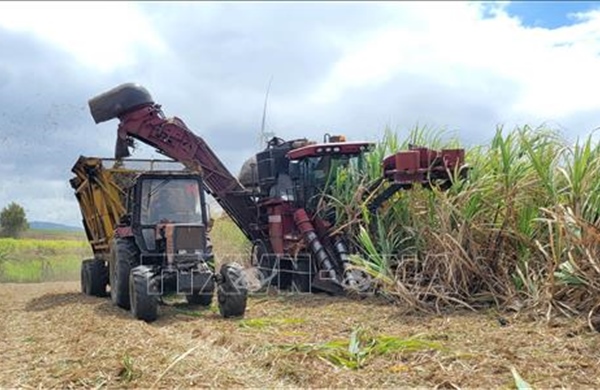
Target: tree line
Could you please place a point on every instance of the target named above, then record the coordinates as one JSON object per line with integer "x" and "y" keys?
{"x": 13, "y": 220}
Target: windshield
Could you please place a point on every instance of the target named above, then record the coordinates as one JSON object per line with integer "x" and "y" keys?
{"x": 320, "y": 168}
{"x": 170, "y": 200}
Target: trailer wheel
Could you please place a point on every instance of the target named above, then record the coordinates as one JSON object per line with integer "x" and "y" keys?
{"x": 202, "y": 298}
{"x": 143, "y": 293}
{"x": 97, "y": 278}
{"x": 84, "y": 276}
{"x": 125, "y": 257}
{"x": 233, "y": 291}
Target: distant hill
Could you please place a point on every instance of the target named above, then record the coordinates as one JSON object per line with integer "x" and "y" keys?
{"x": 39, "y": 225}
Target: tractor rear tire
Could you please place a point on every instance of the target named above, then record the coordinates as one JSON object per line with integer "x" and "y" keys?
{"x": 125, "y": 257}
{"x": 143, "y": 293}
{"x": 201, "y": 298}
{"x": 97, "y": 278}
{"x": 233, "y": 291}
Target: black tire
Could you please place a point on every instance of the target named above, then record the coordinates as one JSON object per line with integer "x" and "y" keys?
{"x": 203, "y": 298}
{"x": 125, "y": 257}
{"x": 233, "y": 291}
{"x": 143, "y": 293}
{"x": 85, "y": 276}
{"x": 98, "y": 278}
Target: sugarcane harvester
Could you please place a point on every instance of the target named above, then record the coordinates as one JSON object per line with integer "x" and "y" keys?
{"x": 273, "y": 200}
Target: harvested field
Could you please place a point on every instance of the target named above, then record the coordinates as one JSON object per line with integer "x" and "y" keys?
{"x": 52, "y": 336}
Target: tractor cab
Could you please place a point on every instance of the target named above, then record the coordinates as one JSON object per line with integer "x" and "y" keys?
{"x": 168, "y": 219}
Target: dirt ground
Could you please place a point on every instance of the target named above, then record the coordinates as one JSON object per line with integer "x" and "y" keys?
{"x": 52, "y": 336}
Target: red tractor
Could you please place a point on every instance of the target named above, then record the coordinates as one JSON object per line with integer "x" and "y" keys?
{"x": 274, "y": 200}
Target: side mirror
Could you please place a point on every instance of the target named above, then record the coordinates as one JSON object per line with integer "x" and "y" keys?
{"x": 294, "y": 170}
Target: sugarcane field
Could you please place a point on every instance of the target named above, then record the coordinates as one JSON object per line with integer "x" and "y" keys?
{"x": 299, "y": 195}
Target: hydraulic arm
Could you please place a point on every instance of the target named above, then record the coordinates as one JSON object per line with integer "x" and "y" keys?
{"x": 142, "y": 119}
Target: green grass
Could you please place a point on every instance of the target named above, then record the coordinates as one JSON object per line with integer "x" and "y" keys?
{"x": 49, "y": 234}
{"x": 229, "y": 243}
{"x": 356, "y": 352}
{"x": 34, "y": 260}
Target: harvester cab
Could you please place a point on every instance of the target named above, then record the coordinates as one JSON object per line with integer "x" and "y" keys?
{"x": 291, "y": 177}
{"x": 313, "y": 167}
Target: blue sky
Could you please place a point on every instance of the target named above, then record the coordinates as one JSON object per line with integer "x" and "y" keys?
{"x": 548, "y": 14}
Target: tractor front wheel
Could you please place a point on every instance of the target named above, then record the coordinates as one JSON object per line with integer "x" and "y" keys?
{"x": 143, "y": 293}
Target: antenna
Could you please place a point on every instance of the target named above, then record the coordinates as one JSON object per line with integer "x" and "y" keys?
{"x": 263, "y": 136}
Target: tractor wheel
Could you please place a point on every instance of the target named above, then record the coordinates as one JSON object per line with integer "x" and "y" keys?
{"x": 125, "y": 256}
{"x": 202, "y": 298}
{"x": 233, "y": 291}
{"x": 98, "y": 278}
{"x": 84, "y": 276}
{"x": 143, "y": 293}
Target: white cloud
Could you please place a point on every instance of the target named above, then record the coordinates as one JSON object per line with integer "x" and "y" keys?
{"x": 102, "y": 35}
{"x": 45, "y": 200}
{"x": 454, "y": 45}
